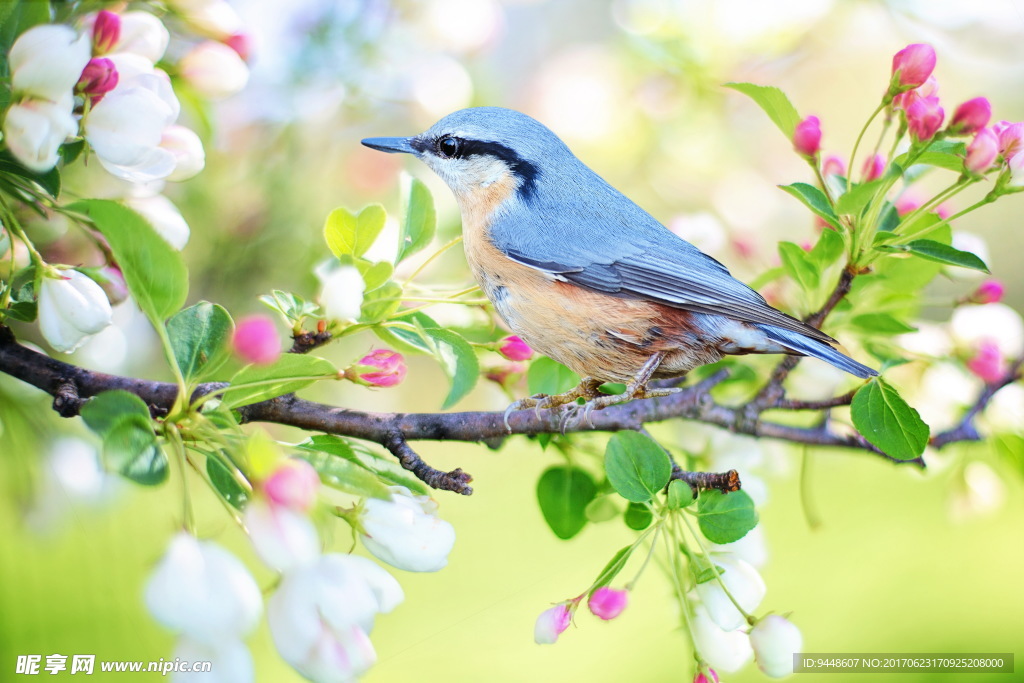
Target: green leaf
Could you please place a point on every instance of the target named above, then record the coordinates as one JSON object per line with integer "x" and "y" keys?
{"x": 153, "y": 270}
{"x": 799, "y": 266}
{"x": 829, "y": 248}
{"x": 457, "y": 359}
{"x": 405, "y": 333}
{"x": 380, "y": 303}
{"x": 48, "y": 180}
{"x": 226, "y": 486}
{"x": 941, "y": 154}
{"x": 292, "y": 307}
{"x": 291, "y": 372}
{"x": 348, "y": 234}
{"x": 852, "y": 202}
{"x": 563, "y": 494}
{"x": 680, "y": 494}
{"x": 374, "y": 274}
{"x": 774, "y": 103}
{"x": 104, "y": 411}
{"x": 881, "y": 323}
{"x": 814, "y": 199}
{"x": 638, "y": 516}
{"x": 603, "y": 508}
{"x": 637, "y": 466}
{"x": 384, "y": 468}
{"x": 347, "y": 476}
{"x": 612, "y": 569}
{"x": 725, "y": 517}
{"x": 546, "y": 376}
{"x": 420, "y": 221}
{"x": 887, "y": 421}
{"x": 199, "y": 336}
{"x": 938, "y": 252}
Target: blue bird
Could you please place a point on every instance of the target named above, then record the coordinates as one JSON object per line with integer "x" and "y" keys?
{"x": 583, "y": 274}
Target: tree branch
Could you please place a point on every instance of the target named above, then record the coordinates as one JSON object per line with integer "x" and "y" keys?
{"x": 71, "y": 385}
{"x": 965, "y": 430}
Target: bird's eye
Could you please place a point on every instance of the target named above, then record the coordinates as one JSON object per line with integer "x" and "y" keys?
{"x": 449, "y": 147}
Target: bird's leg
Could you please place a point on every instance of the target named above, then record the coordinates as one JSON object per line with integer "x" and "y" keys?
{"x": 635, "y": 388}
{"x": 586, "y": 389}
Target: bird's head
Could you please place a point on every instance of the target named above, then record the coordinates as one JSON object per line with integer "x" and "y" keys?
{"x": 478, "y": 150}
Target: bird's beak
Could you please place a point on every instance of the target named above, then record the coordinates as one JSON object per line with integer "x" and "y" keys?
{"x": 391, "y": 145}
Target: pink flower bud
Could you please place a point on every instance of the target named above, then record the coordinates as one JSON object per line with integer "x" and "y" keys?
{"x": 833, "y": 165}
{"x": 505, "y": 374}
{"x": 388, "y": 368}
{"x": 970, "y": 117}
{"x": 514, "y": 348}
{"x": 106, "y": 31}
{"x": 912, "y": 65}
{"x": 98, "y": 78}
{"x": 293, "y": 485}
{"x": 710, "y": 677}
{"x": 1016, "y": 168}
{"x": 930, "y": 88}
{"x": 807, "y": 137}
{"x": 608, "y": 603}
{"x": 551, "y": 623}
{"x": 988, "y": 363}
{"x": 988, "y": 292}
{"x": 1011, "y": 138}
{"x": 982, "y": 151}
{"x": 256, "y": 340}
{"x": 906, "y": 204}
{"x": 873, "y": 167}
{"x": 924, "y": 117}
{"x": 240, "y": 43}
{"x": 112, "y": 281}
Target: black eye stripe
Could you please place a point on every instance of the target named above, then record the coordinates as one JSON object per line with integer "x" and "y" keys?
{"x": 453, "y": 147}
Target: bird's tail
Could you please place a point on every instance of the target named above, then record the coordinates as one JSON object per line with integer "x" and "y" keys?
{"x": 817, "y": 349}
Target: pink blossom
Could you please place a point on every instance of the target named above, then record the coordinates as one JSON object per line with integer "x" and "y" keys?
{"x": 240, "y": 43}
{"x": 551, "y": 623}
{"x": 988, "y": 362}
{"x": 389, "y": 368}
{"x": 982, "y": 151}
{"x": 873, "y": 167}
{"x": 906, "y": 203}
{"x": 514, "y": 348}
{"x": 833, "y": 165}
{"x": 106, "y": 31}
{"x": 912, "y": 65}
{"x": 98, "y": 78}
{"x": 710, "y": 677}
{"x": 1011, "y": 138}
{"x": 970, "y": 117}
{"x": 293, "y": 485}
{"x": 807, "y": 137}
{"x": 608, "y": 603}
{"x": 256, "y": 340}
{"x": 988, "y": 292}
{"x": 505, "y": 373}
{"x": 905, "y": 99}
{"x": 924, "y": 117}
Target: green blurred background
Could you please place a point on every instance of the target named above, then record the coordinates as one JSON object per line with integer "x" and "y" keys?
{"x": 901, "y": 562}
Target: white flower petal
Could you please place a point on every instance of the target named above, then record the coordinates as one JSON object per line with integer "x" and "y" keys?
{"x": 71, "y": 308}
{"x": 47, "y": 60}
{"x": 144, "y": 35}
{"x": 743, "y": 582}
{"x": 34, "y": 130}
{"x": 230, "y": 661}
{"x": 406, "y": 533}
{"x": 284, "y": 539}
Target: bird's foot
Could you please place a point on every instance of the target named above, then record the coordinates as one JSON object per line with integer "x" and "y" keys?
{"x": 586, "y": 389}
{"x": 633, "y": 391}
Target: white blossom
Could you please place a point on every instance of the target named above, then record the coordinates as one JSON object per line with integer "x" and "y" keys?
{"x": 744, "y": 584}
{"x": 726, "y": 651}
{"x": 230, "y": 661}
{"x": 775, "y": 639}
{"x": 214, "y": 70}
{"x": 406, "y": 532}
{"x": 187, "y": 148}
{"x": 200, "y": 589}
{"x": 71, "y": 308}
{"x": 47, "y": 60}
{"x": 34, "y": 130}
{"x": 283, "y": 538}
{"x": 142, "y": 34}
{"x": 342, "y": 293}
{"x": 164, "y": 216}
{"x": 972, "y": 324}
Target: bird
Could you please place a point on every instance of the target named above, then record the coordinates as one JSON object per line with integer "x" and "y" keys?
{"x": 583, "y": 274}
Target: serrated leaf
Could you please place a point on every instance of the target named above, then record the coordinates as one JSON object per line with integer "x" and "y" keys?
{"x": 637, "y": 467}
{"x": 405, "y": 333}
{"x": 346, "y": 476}
{"x": 814, "y": 199}
{"x": 380, "y": 303}
{"x": 563, "y": 494}
{"x": 774, "y": 103}
{"x": 725, "y": 517}
{"x": 420, "y": 222}
{"x": 458, "y": 360}
{"x": 881, "y": 323}
{"x": 939, "y": 253}
{"x": 291, "y": 372}
{"x": 546, "y": 376}
{"x": 153, "y": 270}
{"x": 852, "y": 202}
{"x": 199, "y": 336}
{"x": 349, "y": 234}
{"x": 887, "y": 421}
{"x": 829, "y": 248}
{"x": 229, "y": 489}
{"x": 799, "y": 266}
